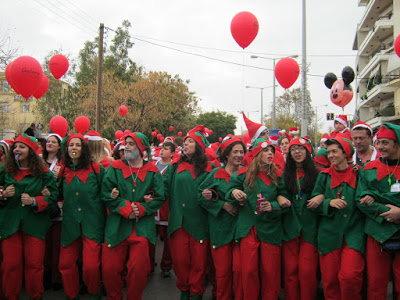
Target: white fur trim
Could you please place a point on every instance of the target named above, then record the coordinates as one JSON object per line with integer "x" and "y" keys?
{"x": 258, "y": 132}
{"x": 93, "y": 138}
{"x": 106, "y": 151}
{"x": 5, "y": 143}
{"x": 364, "y": 126}
{"x": 56, "y": 135}
{"x": 341, "y": 121}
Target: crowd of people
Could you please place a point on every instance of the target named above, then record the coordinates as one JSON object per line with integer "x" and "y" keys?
{"x": 252, "y": 218}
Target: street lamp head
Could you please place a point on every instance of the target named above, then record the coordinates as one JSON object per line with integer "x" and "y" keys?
{"x": 254, "y": 56}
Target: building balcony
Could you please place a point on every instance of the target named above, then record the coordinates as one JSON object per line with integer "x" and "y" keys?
{"x": 372, "y": 65}
{"x": 382, "y": 30}
{"x": 377, "y": 94}
{"x": 372, "y": 12}
{"x": 376, "y": 122}
{"x": 362, "y": 2}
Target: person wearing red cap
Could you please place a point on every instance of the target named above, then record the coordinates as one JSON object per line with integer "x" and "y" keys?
{"x": 133, "y": 191}
{"x": 324, "y": 138}
{"x": 254, "y": 190}
{"x": 321, "y": 159}
{"x": 187, "y": 223}
{"x": 362, "y": 138}
{"x": 97, "y": 149}
{"x": 378, "y": 198}
{"x": 222, "y": 218}
{"x": 341, "y": 240}
{"x": 84, "y": 217}
{"x": 341, "y": 129}
{"x": 300, "y": 225}
{"x": 24, "y": 217}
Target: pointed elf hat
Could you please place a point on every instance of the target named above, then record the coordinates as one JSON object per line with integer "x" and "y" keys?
{"x": 253, "y": 128}
{"x": 261, "y": 144}
{"x": 92, "y": 135}
{"x": 198, "y": 134}
{"x": 321, "y": 157}
{"x": 389, "y": 131}
{"x": 346, "y": 145}
{"x": 141, "y": 140}
{"x": 28, "y": 140}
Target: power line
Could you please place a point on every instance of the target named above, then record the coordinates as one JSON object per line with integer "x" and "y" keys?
{"x": 97, "y": 22}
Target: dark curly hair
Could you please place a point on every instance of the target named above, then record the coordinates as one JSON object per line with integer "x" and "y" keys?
{"x": 224, "y": 156}
{"x": 45, "y": 154}
{"x": 310, "y": 174}
{"x": 84, "y": 160}
{"x": 198, "y": 160}
{"x": 35, "y": 163}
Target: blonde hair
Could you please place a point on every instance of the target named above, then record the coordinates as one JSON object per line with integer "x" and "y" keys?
{"x": 97, "y": 150}
{"x": 107, "y": 146}
{"x": 255, "y": 167}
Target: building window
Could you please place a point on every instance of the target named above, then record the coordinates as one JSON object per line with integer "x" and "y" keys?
{"x": 5, "y": 88}
{"x": 4, "y": 106}
{"x": 25, "y": 107}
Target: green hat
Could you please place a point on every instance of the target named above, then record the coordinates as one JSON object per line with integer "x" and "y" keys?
{"x": 141, "y": 140}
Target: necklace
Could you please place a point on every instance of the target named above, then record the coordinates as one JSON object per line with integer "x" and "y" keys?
{"x": 299, "y": 194}
{"x": 391, "y": 173}
{"x": 134, "y": 179}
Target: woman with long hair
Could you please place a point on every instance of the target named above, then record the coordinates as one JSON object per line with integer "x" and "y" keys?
{"x": 300, "y": 225}
{"x": 254, "y": 190}
{"x": 52, "y": 153}
{"x": 187, "y": 223}
{"x": 24, "y": 219}
{"x": 84, "y": 218}
{"x": 222, "y": 218}
{"x": 97, "y": 149}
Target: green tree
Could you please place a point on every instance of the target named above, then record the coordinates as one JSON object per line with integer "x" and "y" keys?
{"x": 220, "y": 122}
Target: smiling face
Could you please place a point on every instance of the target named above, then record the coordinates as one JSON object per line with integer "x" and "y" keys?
{"x": 22, "y": 151}
{"x": 235, "y": 157}
{"x": 190, "y": 146}
{"x": 336, "y": 155}
{"x": 388, "y": 148}
{"x": 52, "y": 144}
{"x": 75, "y": 148}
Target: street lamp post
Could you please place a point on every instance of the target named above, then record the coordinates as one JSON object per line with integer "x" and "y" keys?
{"x": 273, "y": 83}
{"x": 262, "y": 100}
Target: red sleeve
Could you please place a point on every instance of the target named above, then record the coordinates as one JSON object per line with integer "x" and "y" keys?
{"x": 126, "y": 211}
{"x": 41, "y": 203}
{"x": 142, "y": 210}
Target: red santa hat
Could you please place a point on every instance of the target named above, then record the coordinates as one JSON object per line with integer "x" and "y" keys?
{"x": 171, "y": 138}
{"x": 361, "y": 124}
{"x": 274, "y": 139}
{"x": 253, "y": 128}
{"x": 55, "y": 135}
{"x": 294, "y": 131}
{"x": 325, "y": 137}
{"x": 342, "y": 119}
{"x": 92, "y": 135}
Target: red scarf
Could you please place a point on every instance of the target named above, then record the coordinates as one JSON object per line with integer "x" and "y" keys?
{"x": 337, "y": 178}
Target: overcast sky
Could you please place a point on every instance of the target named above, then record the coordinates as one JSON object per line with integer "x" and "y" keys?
{"x": 39, "y": 26}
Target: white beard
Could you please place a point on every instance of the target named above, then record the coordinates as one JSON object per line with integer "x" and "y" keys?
{"x": 132, "y": 155}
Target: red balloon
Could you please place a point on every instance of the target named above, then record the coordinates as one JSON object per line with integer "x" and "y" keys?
{"x": 244, "y": 28}
{"x": 59, "y": 125}
{"x": 119, "y": 134}
{"x": 340, "y": 96}
{"x": 82, "y": 124}
{"x": 171, "y": 128}
{"x": 123, "y": 110}
{"x": 210, "y": 132}
{"x": 26, "y": 75}
{"x": 397, "y": 45}
{"x": 162, "y": 139}
{"x": 58, "y": 65}
{"x": 180, "y": 133}
{"x": 43, "y": 87}
{"x": 154, "y": 134}
{"x": 159, "y": 136}
{"x": 9, "y": 79}
{"x": 286, "y": 72}
{"x": 246, "y": 138}
{"x": 127, "y": 132}
{"x": 220, "y": 139}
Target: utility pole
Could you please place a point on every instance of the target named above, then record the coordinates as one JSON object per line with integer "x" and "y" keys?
{"x": 99, "y": 79}
{"x": 304, "y": 121}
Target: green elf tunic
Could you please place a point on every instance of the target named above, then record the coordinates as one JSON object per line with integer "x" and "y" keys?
{"x": 336, "y": 224}
{"x": 34, "y": 220}
{"x": 221, "y": 224}
{"x": 84, "y": 212}
{"x": 133, "y": 184}
{"x": 181, "y": 186}
{"x": 300, "y": 219}
{"x": 267, "y": 224}
{"x": 374, "y": 181}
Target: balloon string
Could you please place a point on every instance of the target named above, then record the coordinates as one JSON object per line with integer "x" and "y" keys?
{"x": 243, "y": 81}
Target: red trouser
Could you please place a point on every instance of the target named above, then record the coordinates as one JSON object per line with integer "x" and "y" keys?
{"x": 52, "y": 254}
{"x": 256, "y": 258}
{"x": 379, "y": 264}
{"x": 138, "y": 267}
{"x": 91, "y": 257}
{"x": 300, "y": 263}
{"x": 16, "y": 249}
{"x": 166, "y": 260}
{"x": 189, "y": 261}
{"x": 342, "y": 273}
{"x": 227, "y": 276}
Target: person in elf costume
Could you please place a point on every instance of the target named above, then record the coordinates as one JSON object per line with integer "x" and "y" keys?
{"x": 187, "y": 222}
{"x": 97, "y": 149}
{"x": 300, "y": 225}
{"x": 133, "y": 191}
{"x": 222, "y": 218}
{"x": 84, "y": 216}
{"x": 378, "y": 197}
{"x": 24, "y": 219}
{"x": 341, "y": 240}
{"x": 254, "y": 190}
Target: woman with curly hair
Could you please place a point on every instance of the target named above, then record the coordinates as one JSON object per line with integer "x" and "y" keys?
{"x": 254, "y": 190}
{"x": 187, "y": 223}
{"x": 24, "y": 219}
{"x": 84, "y": 217}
